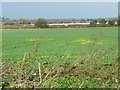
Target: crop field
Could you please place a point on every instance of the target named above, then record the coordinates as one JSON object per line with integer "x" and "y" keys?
{"x": 60, "y": 58}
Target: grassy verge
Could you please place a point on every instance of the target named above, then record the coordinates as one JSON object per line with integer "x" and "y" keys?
{"x": 87, "y": 71}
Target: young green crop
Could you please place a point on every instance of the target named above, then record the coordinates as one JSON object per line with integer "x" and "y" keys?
{"x": 94, "y": 47}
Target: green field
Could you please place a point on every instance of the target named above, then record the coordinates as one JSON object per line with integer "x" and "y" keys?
{"x": 68, "y": 57}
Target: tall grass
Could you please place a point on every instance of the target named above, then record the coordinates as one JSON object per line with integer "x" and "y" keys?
{"x": 87, "y": 71}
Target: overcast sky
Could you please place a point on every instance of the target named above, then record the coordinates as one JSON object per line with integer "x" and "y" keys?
{"x": 59, "y": 10}
{"x": 60, "y": 0}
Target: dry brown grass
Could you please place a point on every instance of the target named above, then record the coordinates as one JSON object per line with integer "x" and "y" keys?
{"x": 87, "y": 68}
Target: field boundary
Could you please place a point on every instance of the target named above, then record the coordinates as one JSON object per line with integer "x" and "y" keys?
{"x": 56, "y": 28}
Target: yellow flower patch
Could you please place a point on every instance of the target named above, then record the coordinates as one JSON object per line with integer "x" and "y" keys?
{"x": 88, "y": 41}
{"x": 33, "y": 39}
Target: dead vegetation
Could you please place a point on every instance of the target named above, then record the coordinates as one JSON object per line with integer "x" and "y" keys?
{"x": 86, "y": 72}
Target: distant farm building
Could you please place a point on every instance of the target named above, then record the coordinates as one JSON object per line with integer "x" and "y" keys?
{"x": 68, "y": 24}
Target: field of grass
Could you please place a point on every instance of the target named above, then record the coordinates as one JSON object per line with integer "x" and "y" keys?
{"x": 79, "y": 57}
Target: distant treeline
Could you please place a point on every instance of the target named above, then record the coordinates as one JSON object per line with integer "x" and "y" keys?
{"x": 7, "y": 23}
